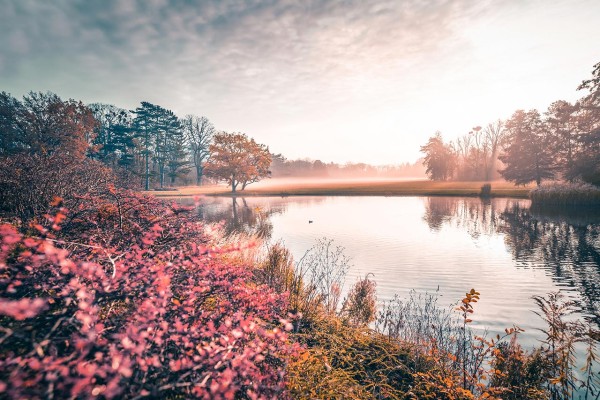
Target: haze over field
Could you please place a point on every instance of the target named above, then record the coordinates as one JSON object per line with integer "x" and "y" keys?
{"x": 337, "y": 81}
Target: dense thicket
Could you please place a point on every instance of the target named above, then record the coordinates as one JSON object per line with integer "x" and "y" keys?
{"x": 563, "y": 143}
{"x": 127, "y": 297}
{"x": 45, "y": 143}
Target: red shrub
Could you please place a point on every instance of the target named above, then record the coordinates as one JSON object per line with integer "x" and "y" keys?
{"x": 127, "y": 301}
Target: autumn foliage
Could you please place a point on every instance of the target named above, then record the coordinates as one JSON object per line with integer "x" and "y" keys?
{"x": 237, "y": 160}
{"x": 108, "y": 293}
{"x": 126, "y": 297}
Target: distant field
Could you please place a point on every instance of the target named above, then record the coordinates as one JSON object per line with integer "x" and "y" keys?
{"x": 355, "y": 187}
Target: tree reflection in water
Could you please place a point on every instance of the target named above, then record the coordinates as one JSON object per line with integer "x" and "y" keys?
{"x": 564, "y": 242}
{"x": 240, "y": 217}
{"x": 476, "y": 216}
{"x": 560, "y": 243}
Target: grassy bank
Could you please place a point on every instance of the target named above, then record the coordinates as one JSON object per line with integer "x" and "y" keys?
{"x": 364, "y": 187}
{"x": 414, "y": 347}
{"x": 566, "y": 195}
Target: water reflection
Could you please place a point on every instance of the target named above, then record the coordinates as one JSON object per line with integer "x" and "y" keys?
{"x": 239, "y": 216}
{"x": 247, "y": 215}
{"x": 565, "y": 243}
{"x": 476, "y": 216}
{"x": 502, "y": 247}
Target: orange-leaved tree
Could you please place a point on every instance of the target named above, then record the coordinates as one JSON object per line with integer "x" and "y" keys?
{"x": 237, "y": 160}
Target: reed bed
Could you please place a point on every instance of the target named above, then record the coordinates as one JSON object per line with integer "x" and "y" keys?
{"x": 566, "y": 194}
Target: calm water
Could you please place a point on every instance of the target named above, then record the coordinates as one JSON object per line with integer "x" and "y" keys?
{"x": 502, "y": 248}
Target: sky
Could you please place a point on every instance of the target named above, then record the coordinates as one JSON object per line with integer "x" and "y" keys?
{"x": 339, "y": 81}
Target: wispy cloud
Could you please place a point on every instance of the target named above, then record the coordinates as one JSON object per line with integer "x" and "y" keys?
{"x": 269, "y": 48}
{"x": 268, "y": 66}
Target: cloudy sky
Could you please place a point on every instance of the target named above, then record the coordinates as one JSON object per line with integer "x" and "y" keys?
{"x": 351, "y": 80}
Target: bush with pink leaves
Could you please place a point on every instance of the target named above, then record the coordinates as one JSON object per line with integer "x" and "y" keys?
{"x": 125, "y": 298}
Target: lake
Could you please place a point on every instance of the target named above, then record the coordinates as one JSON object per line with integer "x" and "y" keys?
{"x": 445, "y": 245}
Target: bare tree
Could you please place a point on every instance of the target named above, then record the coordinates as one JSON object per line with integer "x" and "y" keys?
{"x": 478, "y": 157}
{"x": 494, "y": 136}
{"x": 464, "y": 146}
{"x": 463, "y": 149}
{"x": 199, "y": 132}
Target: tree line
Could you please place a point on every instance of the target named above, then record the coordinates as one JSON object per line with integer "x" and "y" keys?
{"x": 284, "y": 168}
{"x": 561, "y": 143}
{"x": 150, "y": 145}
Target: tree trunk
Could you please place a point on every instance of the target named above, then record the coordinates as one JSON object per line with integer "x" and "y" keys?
{"x": 147, "y": 184}
{"x": 234, "y": 209}
{"x": 198, "y": 175}
{"x": 161, "y": 172}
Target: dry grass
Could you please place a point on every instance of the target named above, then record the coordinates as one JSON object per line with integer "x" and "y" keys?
{"x": 566, "y": 194}
{"x": 357, "y": 187}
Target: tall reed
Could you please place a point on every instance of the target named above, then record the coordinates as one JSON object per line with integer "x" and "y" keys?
{"x": 565, "y": 194}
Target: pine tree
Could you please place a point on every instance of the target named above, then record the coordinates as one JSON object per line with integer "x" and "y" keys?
{"x": 144, "y": 123}
{"x": 527, "y": 155}
{"x": 440, "y": 160}
{"x": 114, "y": 139}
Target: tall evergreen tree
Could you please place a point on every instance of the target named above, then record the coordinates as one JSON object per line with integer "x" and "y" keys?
{"x": 114, "y": 140}
{"x": 178, "y": 164}
{"x": 527, "y": 155}
{"x": 560, "y": 123}
{"x": 168, "y": 137}
{"x": 161, "y": 141}
{"x": 144, "y": 123}
{"x": 440, "y": 159}
{"x": 11, "y": 135}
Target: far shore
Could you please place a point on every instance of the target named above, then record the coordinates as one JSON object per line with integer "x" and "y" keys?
{"x": 351, "y": 187}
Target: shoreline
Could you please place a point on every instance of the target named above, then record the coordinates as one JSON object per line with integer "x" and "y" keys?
{"x": 352, "y": 188}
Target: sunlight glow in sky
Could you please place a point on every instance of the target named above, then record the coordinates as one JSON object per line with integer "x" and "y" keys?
{"x": 363, "y": 81}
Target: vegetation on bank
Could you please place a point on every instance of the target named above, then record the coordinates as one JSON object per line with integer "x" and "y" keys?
{"x": 565, "y": 194}
{"x": 414, "y": 348}
{"x": 128, "y": 297}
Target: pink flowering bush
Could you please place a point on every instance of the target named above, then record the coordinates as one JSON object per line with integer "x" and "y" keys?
{"x": 126, "y": 298}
